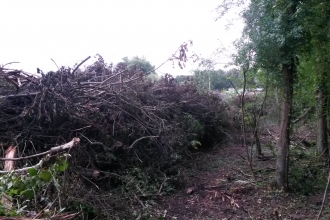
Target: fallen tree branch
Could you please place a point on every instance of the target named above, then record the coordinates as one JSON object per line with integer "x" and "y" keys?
{"x": 48, "y": 159}
{"x": 304, "y": 114}
{"x": 139, "y": 139}
{"x": 324, "y": 197}
{"x": 38, "y": 165}
{"x": 54, "y": 150}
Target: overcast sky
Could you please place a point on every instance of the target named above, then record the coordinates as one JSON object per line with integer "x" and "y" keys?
{"x": 34, "y": 31}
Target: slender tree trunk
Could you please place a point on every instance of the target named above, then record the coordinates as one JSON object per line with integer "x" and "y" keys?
{"x": 282, "y": 163}
{"x": 255, "y": 118}
{"x": 322, "y": 138}
{"x": 258, "y": 144}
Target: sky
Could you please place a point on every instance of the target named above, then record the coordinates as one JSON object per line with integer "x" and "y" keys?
{"x": 34, "y": 32}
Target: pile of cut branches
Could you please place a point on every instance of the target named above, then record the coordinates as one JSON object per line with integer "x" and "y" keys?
{"x": 131, "y": 129}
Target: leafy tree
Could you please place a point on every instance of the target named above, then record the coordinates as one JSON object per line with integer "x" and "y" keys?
{"x": 275, "y": 33}
{"x": 207, "y": 80}
{"x": 137, "y": 64}
{"x": 220, "y": 82}
{"x": 317, "y": 23}
{"x": 183, "y": 78}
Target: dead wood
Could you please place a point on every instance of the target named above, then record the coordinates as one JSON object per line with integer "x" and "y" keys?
{"x": 53, "y": 151}
{"x": 9, "y": 166}
{"x": 125, "y": 122}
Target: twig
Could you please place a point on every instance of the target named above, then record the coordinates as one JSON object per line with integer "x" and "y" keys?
{"x": 140, "y": 201}
{"x": 75, "y": 69}
{"x": 20, "y": 95}
{"x": 88, "y": 126}
{"x": 248, "y": 175}
{"x": 141, "y": 139}
{"x": 24, "y": 169}
{"x": 88, "y": 180}
{"x": 161, "y": 185}
{"x": 324, "y": 197}
{"x": 304, "y": 114}
{"x": 104, "y": 81}
{"x": 9, "y": 63}
{"x": 93, "y": 142}
{"x": 55, "y": 64}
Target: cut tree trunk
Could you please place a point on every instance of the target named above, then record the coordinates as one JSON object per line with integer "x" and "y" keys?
{"x": 282, "y": 161}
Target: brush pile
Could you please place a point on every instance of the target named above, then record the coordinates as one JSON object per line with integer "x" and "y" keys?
{"x": 132, "y": 130}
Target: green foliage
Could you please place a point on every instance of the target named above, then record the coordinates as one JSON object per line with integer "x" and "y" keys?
{"x": 181, "y": 78}
{"x": 206, "y": 80}
{"x": 306, "y": 174}
{"x": 192, "y": 125}
{"x": 137, "y": 64}
{"x": 195, "y": 144}
{"x": 24, "y": 187}
{"x": 274, "y": 34}
{"x": 305, "y": 89}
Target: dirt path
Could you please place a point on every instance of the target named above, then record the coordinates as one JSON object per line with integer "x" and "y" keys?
{"x": 218, "y": 185}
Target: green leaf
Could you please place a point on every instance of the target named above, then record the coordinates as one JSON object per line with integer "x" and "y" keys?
{"x": 28, "y": 193}
{"x": 9, "y": 184}
{"x": 45, "y": 175}
{"x": 13, "y": 192}
{"x": 62, "y": 165}
{"x": 32, "y": 171}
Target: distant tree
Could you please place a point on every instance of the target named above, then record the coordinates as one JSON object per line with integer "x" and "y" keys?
{"x": 220, "y": 81}
{"x": 206, "y": 80}
{"x": 136, "y": 64}
{"x": 183, "y": 78}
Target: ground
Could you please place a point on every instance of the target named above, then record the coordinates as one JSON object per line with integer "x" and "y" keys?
{"x": 218, "y": 185}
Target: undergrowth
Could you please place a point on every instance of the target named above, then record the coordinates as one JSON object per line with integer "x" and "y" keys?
{"x": 307, "y": 173}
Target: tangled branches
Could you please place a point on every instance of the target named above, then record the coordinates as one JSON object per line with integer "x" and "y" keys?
{"x": 127, "y": 125}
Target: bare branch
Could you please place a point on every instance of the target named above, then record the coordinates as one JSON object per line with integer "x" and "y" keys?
{"x": 75, "y": 69}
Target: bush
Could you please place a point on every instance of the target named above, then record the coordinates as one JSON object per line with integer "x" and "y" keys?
{"x": 306, "y": 175}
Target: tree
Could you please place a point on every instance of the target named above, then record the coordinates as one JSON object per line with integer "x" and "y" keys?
{"x": 137, "y": 64}
{"x": 317, "y": 23}
{"x": 207, "y": 80}
{"x": 276, "y": 35}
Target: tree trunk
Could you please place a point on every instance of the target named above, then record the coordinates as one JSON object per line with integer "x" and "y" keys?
{"x": 257, "y": 142}
{"x": 255, "y": 133}
{"x": 282, "y": 162}
{"x": 322, "y": 138}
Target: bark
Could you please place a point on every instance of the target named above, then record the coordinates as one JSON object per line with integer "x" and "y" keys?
{"x": 255, "y": 134}
{"x": 282, "y": 161}
{"x": 10, "y": 153}
{"x": 257, "y": 142}
{"x": 322, "y": 138}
